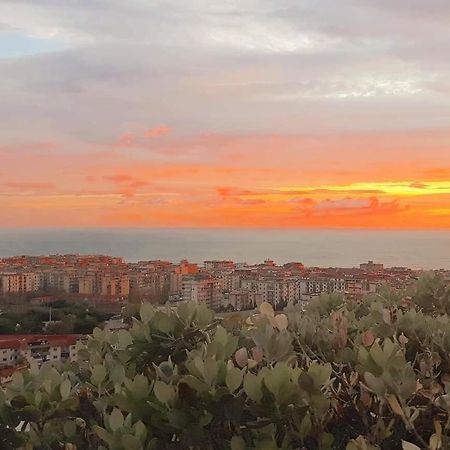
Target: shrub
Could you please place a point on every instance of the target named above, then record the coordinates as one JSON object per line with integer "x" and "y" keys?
{"x": 367, "y": 375}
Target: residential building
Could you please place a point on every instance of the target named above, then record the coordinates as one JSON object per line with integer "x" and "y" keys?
{"x": 17, "y": 351}
{"x": 20, "y": 282}
{"x": 201, "y": 289}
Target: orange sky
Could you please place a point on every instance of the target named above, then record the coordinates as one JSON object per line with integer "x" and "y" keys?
{"x": 258, "y": 113}
{"x": 361, "y": 180}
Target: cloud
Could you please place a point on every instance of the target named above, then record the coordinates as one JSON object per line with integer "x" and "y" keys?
{"x": 360, "y": 207}
{"x": 127, "y": 185}
{"x": 159, "y": 131}
{"x": 437, "y": 173}
{"x": 418, "y": 185}
{"x": 126, "y": 140}
{"x": 229, "y": 192}
{"x": 217, "y": 67}
{"x": 252, "y": 201}
{"x": 303, "y": 202}
{"x": 119, "y": 178}
{"x": 27, "y": 186}
{"x": 281, "y": 103}
{"x": 346, "y": 203}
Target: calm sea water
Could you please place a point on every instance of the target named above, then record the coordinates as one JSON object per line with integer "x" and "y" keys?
{"x": 345, "y": 248}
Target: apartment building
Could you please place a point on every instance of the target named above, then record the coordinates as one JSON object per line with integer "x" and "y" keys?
{"x": 212, "y": 266}
{"x": 146, "y": 281}
{"x": 370, "y": 266}
{"x": 242, "y": 300}
{"x": 186, "y": 268}
{"x": 355, "y": 288}
{"x": 17, "y": 351}
{"x": 201, "y": 289}
{"x": 63, "y": 281}
{"x": 16, "y": 283}
{"x": 314, "y": 286}
{"x": 274, "y": 290}
{"x": 87, "y": 284}
{"x": 229, "y": 280}
{"x": 175, "y": 282}
{"x": 115, "y": 286}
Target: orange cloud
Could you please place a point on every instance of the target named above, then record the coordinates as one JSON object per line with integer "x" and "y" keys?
{"x": 119, "y": 178}
{"x": 127, "y": 184}
{"x": 437, "y": 173}
{"x": 358, "y": 207}
{"x": 219, "y": 181}
{"x": 229, "y": 192}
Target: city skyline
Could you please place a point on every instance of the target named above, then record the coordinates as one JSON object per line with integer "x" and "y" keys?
{"x": 218, "y": 283}
{"x": 258, "y": 114}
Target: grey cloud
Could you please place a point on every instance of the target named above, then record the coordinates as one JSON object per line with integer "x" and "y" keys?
{"x": 242, "y": 65}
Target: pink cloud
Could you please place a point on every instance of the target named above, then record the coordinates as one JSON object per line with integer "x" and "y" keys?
{"x": 119, "y": 178}
{"x": 358, "y": 206}
{"x": 346, "y": 203}
{"x": 127, "y": 184}
{"x": 251, "y": 201}
{"x": 126, "y": 139}
{"x": 305, "y": 202}
{"x": 158, "y": 131}
{"x": 29, "y": 186}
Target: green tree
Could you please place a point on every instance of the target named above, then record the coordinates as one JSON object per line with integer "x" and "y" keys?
{"x": 7, "y": 326}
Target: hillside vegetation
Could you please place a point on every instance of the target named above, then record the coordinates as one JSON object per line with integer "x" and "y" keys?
{"x": 357, "y": 376}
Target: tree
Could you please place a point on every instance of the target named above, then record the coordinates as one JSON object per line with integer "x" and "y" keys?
{"x": 59, "y": 327}
{"x": 7, "y": 326}
{"x": 85, "y": 325}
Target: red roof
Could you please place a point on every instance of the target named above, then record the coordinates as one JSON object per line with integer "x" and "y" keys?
{"x": 23, "y": 340}
{"x": 7, "y": 371}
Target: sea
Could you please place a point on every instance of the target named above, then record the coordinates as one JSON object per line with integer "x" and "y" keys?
{"x": 322, "y": 248}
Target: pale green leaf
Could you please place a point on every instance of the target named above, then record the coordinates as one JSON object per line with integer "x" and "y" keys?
{"x": 65, "y": 388}
{"x": 409, "y": 446}
{"x": 116, "y": 419}
{"x": 234, "y": 378}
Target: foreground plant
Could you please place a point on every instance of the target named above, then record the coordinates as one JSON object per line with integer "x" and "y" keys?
{"x": 368, "y": 375}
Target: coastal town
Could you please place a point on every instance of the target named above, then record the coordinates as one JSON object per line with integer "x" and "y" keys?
{"x": 221, "y": 284}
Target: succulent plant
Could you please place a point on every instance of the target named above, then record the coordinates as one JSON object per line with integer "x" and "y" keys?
{"x": 358, "y": 376}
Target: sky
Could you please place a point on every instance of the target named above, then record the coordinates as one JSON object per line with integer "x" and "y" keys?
{"x": 206, "y": 113}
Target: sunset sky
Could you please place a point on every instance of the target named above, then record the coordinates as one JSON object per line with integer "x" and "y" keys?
{"x": 241, "y": 113}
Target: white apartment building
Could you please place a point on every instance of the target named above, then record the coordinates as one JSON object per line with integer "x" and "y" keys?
{"x": 274, "y": 290}
{"x": 201, "y": 289}
{"x": 312, "y": 287}
{"x": 19, "y": 349}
